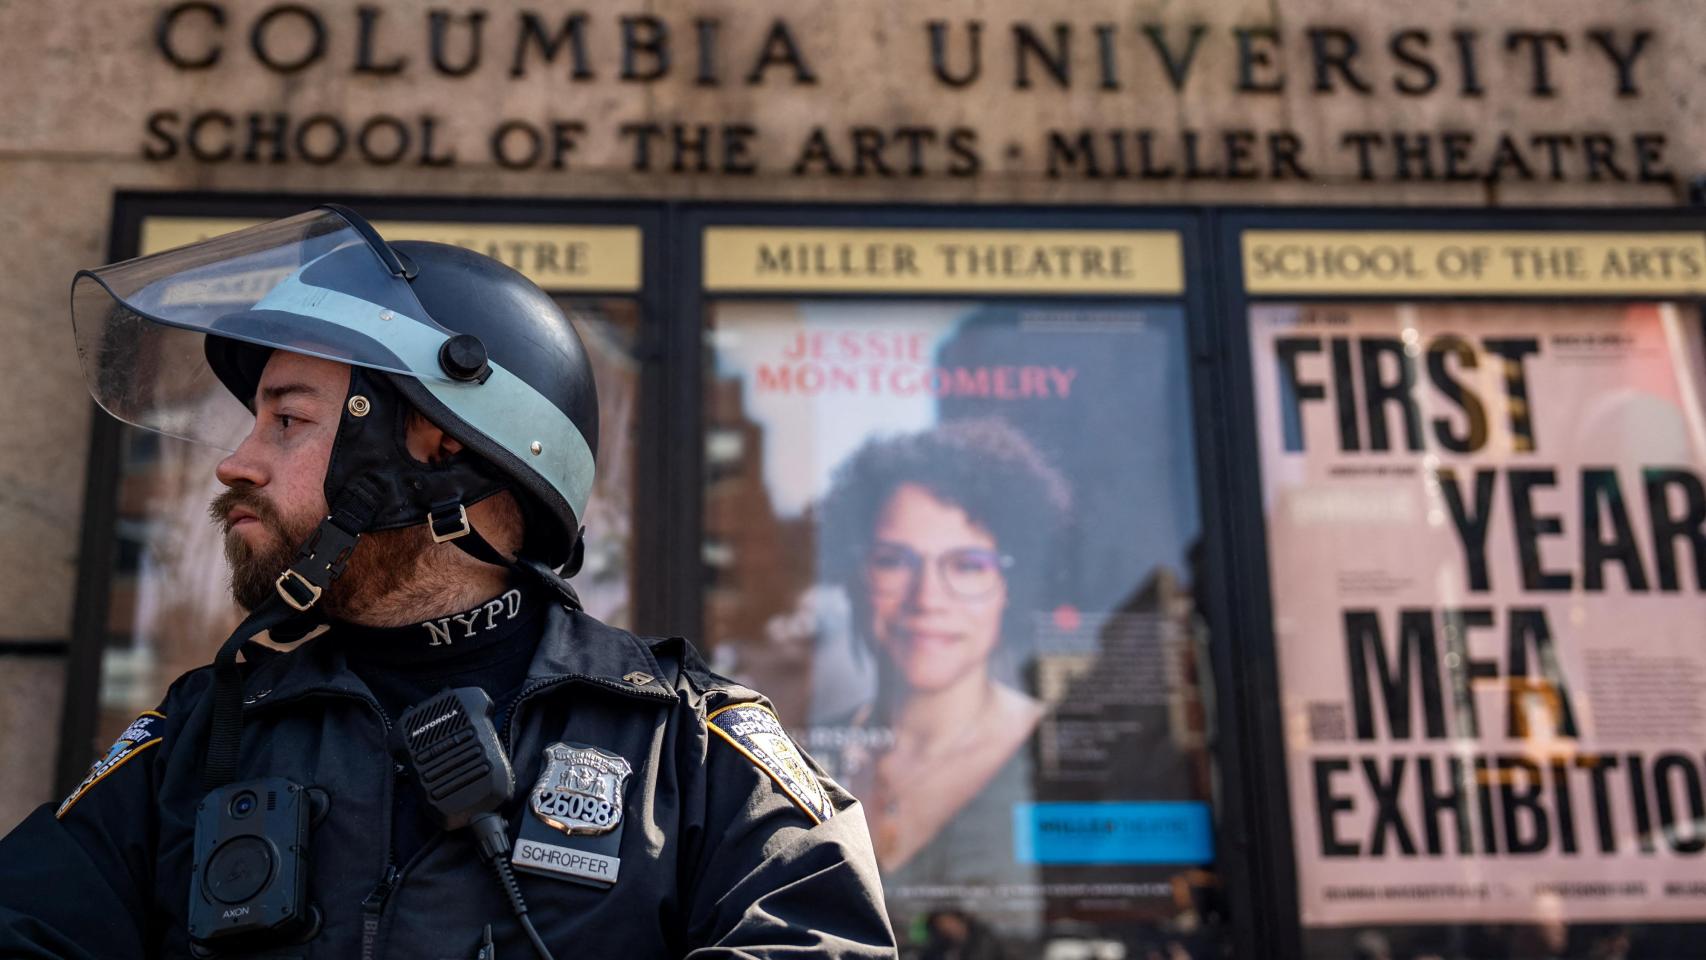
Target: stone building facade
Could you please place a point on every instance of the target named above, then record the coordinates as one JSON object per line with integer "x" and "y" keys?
{"x": 960, "y": 115}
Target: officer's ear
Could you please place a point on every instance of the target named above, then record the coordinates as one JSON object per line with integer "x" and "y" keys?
{"x": 426, "y": 442}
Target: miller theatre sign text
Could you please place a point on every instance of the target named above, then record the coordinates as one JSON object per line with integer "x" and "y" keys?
{"x": 1128, "y": 63}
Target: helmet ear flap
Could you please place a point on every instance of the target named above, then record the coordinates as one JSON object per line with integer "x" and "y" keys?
{"x": 372, "y": 449}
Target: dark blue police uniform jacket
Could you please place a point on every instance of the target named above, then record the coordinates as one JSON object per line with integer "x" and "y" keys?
{"x": 718, "y": 856}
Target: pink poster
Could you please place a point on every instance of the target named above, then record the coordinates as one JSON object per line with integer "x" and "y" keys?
{"x": 1487, "y": 556}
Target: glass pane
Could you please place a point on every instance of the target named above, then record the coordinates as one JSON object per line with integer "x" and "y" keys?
{"x": 1486, "y": 554}
{"x": 169, "y": 608}
{"x": 611, "y": 331}
{"x": 955, "y": 542}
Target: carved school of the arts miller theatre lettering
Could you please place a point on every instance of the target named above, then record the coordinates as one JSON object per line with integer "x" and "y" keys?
{"x": 1129, "y": 63}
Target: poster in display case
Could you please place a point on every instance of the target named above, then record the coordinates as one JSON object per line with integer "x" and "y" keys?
{"x": 956, "y": 540}
{"x": 1487, "y": 573}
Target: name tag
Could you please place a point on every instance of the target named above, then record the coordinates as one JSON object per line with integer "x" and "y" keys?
{"x": 576, "y": 864}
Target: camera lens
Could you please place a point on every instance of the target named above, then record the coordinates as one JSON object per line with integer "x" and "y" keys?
{"x": 243, "y": 804}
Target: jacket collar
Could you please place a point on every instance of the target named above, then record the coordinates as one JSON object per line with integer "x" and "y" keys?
{"x": 577, "y": 647}
{"x": 573, "y": 647}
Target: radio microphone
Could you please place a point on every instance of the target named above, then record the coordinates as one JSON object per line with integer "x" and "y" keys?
{"x": 453, "y": 748}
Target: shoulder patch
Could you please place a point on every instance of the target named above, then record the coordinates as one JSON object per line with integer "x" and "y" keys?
{"x": 143, "y": 732}
{"x": 753, "y": 730}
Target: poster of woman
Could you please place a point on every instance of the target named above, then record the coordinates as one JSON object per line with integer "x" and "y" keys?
{"x": 958, "y": 537}
{"x": 941, "y": 573}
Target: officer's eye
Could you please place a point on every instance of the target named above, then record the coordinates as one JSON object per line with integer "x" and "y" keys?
{"x": 283, "y": 422}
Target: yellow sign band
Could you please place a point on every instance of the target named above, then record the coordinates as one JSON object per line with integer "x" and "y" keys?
{"x": 555, "y": 256}
{"x": 1387, "y": 262}
{"x": 833, "y": 260}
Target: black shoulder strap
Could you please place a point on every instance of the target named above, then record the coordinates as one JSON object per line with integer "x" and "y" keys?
{"x": 288, "y": 614}
{"x": 225, "y": 738}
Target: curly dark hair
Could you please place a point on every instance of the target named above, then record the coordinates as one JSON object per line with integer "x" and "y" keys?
{"x": 983, "y": 466}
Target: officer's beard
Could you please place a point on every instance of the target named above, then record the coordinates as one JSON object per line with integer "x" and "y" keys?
{"x": 382, "y": 568}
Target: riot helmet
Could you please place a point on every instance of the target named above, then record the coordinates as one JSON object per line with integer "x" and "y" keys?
{"x": 471, "y": 344}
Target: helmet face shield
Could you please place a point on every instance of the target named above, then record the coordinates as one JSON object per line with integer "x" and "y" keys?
{"x": 309, "y": 284}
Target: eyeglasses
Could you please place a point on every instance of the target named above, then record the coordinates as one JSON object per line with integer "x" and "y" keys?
{"x": 892, "y": 569}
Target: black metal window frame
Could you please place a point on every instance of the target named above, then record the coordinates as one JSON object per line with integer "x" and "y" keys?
{"x": 1234, "y": 853}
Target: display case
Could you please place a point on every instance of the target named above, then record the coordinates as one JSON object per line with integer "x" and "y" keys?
{"x": 1474, "y": 502}
{"x": 952, "y": 517}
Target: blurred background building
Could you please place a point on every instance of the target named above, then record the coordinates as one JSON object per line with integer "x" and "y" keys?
{"x": 1362, "y": 342}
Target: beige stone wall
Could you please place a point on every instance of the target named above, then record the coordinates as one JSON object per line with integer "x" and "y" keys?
{"x": 82, "y": 79}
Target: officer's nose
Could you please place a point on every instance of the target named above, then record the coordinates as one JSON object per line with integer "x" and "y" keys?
{"x": 244, "y": 465}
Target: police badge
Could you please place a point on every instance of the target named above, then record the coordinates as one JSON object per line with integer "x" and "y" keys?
{"x": 580, "y": 794}
{"x": 580, "y": 791}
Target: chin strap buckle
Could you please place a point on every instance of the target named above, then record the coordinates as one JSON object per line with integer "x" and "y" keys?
{"x": 297, "y": 590}
{"x": 447, "y": 526}
{"x": 320, "y": 561}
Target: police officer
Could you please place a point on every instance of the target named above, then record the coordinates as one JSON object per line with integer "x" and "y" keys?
{"x": 405, "y": 496}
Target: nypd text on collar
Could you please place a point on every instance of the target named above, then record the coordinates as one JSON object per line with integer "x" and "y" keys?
{"x": 445, "y": 631}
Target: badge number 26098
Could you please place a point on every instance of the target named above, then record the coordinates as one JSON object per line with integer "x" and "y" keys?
{"x": 573, "y": 806}
{"x": 580, "y": 790}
